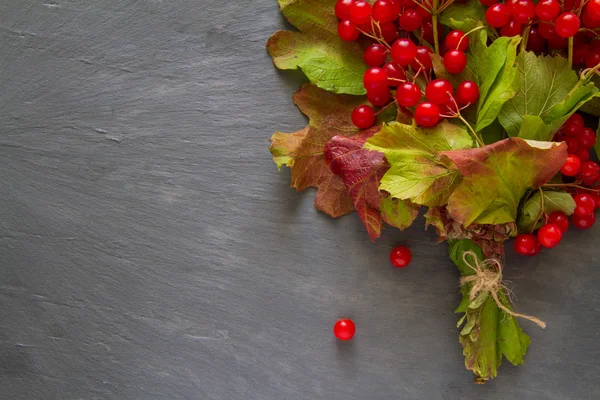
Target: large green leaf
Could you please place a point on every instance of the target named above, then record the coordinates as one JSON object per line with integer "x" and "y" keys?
{"x": 487, "y": 333}
{"x": 463, "y": 16}
{"x": 549, "y": 89}
{"x": 328, "y": 62}
{"x": 534, "y": 128}
{"x": 415, "y": 173}
{"x": 496, "y": 177}
{"x": 553, "y": 201}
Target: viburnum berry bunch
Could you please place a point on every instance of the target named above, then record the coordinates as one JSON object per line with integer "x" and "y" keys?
{"x": 483, "y": 113}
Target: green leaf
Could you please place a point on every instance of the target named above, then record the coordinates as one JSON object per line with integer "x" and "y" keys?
{"x": 415, "y": 173}
{"x": 553, "y": 201}
{"x": 496, "y": 177}
{"x": 549, "y": 89}
{"x": 463, "y": 16}
{"x": 488, "y": 333}
{"x": 398, "y": 213}
{"x": 328, "y": 62}
{"x": 534, "y": 128}
{"x": 492, "y": 133}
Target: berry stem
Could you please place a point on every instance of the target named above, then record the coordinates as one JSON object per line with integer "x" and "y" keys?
{"x": 525, "y": 38}
{"x": 570, "y": 50}
{"x": 434, "y": 21}
{"x": 477, "y": 28}
{"x": 569, "y": 185}
{"x": 473, "y": 133}
{"x": 541, "y": 211}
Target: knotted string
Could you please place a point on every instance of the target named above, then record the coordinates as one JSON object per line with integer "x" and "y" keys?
{"x": 488, "y": 276}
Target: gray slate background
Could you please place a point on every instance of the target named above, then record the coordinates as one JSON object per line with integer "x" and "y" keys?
{"x": 150, "y": 249}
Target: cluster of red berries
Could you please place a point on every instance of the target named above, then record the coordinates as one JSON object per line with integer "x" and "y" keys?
{"x": 549, "y": 22}
{"x": 579, "y": 168}
{"x": 344, "y": 329}
{"x": 393, "y": 66}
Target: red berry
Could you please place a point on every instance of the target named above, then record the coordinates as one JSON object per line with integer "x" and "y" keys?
{"x": 589, "y": 21}
{"x": 455, "y": 61}
{"x": 363, "y": 117}
{"x": 547, "y": 31}
{"x": 536, "y": 41}
{"x": 592, "y": 59}
{"x": 439, "y": 91}
{"x": 573, "y": 145}
{"x": 410, "y": 20}
{"x": 547, "y": 10}
{"x": 567, "y": 25}
{"x": 385, "y": 10}
{"x": 583, "y": 221}
{"x": 584, "y": 204}
{"x": 571, "y": 166}
{"x": 580, "y": 53}
{"x": 454, "y": 38}
{"x": 559, "y": 219}
{"x": 342, "y": 9}
{"x": 522, "y": 11}
{"x": 403, "y": 52}
{"x": 379, "y": 95}
{"x": 549, "y": 235}
{"x": 593, "y": 8}
{"x": 408, "y": 94}
{"x": 597, "y": 201}
{"x": 512, "y": 28}
{"x": 587, "y": 138}
{"x": 427, "y": 114}
{"x": 374, "y": 76}
{"x": 425, "y": 15}
{"x": 589, "y": 169}
{"x": 427, "y": 31}
{"x": 525, "y": 244}
{"x": 422, "y": 60}
{"x": 497, "y": 15}
{"x": 488, "y": 3}
{"x": 573, "y": 126}
{"x": 467, "y": 93}
{"x": 375, "y": 55}
{"x": 394, "y": 73}
{"x": 360, "y": 12}
{"x": 347, "y": 31}
{"x": 344, "y": 329}
{"x": 558, "y": 43}
{"x": 590, "y": 182}
{"x": 400, "y": 256}
{"x": 583, "y": 154}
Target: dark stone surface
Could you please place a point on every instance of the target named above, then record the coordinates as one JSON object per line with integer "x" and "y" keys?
{"x": 150, "y": 249}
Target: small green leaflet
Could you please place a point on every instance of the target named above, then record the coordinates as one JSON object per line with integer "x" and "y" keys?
{"x": 496, "y": 177}
{"x": 553, "y": 201}
{"x": 487, "y": 332}
{"x": 463, "y": 16}
{"x": 548, "y": 89}
{"x": 415, "y": 172}
{"x": 328, "y": 62}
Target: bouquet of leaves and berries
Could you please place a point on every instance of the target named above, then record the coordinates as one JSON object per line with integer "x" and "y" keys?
{"x": 468, "y": 109}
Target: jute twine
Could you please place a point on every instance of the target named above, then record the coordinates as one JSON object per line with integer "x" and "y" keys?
{"x": 488, "y": 277}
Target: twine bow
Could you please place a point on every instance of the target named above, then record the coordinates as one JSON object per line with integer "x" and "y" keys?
{"x": 488, "y": 276}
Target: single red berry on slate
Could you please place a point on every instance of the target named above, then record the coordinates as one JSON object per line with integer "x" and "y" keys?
{"x": 394, "y": 73}
{"x": 584, "y": 204}
{"x": 374, "y": 76}
{"x": 455, "y": 37}
{"x": 583, "y": 154}
{"x": 587, "y": 138}
{"x": 360, "y": 12}
{"x": 567, "y": 24}
{"x": 455, "y": 61}
{"x": 379, "y": 95}
{"x": 583, "y": 221}
{"x": 363, "y": 117}
{"x": 347, "y": 31}
{"x": 344, "y": 329}
{"x": 423, "y": 59}
{"x": 573, "y": 125}
{"x": 512, "y": 28}
{"x": 410, "y": 20}
{"x": 342, "y": 9}
{"x": 549, "y": 235}
{"x": 385, "y": 10}
{"x": 408, "y": 94}
{"x": 536, "y": 41}
{"x": 427, "y": 114}
{"x": 375, "y": 55}
{"x": 400, "y": 256}
{"x": 589, "y": 169}
{"x": 439, "y": 91}
{"x": 571, "y": 166}
{"x": 559, "y": 219}
{"x": 497, "y": 15}
{"x": 522, "y": 10}
{"x": 525, "y": 244}
{"x": 467, "y": 93}
{"x": 547, "y": 10}
{"x": 403, "y": 52}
